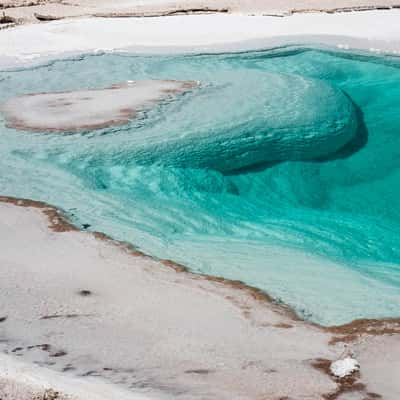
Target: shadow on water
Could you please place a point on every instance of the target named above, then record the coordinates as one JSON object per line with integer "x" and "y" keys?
{"x": 359, "y": 141}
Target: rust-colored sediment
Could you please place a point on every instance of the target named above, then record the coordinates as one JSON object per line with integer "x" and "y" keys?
{"x": 350, "y": 332}
{"x": 347, "y": 384}
{"x": 353, "y": 330}
{"x": 58, "y": 222}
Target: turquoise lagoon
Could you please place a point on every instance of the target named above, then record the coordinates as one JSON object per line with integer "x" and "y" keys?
{"x": 281, "y": 170}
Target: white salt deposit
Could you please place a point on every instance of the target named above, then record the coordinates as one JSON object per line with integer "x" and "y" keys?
{"x": 353, "y": 30}
{"x": 25, "y": 381}
{"x": 344, "y": 367}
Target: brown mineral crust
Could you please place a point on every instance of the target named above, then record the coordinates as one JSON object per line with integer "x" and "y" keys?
{"x": 346, "y": 384}
{"x": 57, "y": 220}
{"x": 352, "y": 331}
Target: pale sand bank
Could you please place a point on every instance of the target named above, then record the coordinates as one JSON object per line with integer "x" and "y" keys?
{"x": 376, "y": 31}
{"x": 80, "y": 110}
{"x": 93, "y": 309}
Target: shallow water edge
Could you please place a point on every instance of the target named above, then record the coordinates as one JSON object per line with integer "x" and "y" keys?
{"x": 59, "y": 222}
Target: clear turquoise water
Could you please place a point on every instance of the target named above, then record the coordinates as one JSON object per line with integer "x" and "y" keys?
{"x": 282, "y": 170}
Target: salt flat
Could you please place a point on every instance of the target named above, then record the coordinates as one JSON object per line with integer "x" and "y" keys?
{"x": 80, "y": 304}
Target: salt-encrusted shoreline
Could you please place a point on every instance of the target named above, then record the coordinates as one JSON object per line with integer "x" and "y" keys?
{"x": 266, "y": 336}
{"x": 349, "y": 332}
{"x": 371, "y": 31}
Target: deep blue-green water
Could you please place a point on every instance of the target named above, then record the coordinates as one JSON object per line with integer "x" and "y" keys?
{"x": 281, "y": 170}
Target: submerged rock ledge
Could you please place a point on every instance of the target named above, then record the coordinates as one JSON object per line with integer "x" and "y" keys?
{"x": 270, "y": 117}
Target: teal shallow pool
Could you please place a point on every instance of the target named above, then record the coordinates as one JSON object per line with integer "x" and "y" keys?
{"x": 281, "y": 170}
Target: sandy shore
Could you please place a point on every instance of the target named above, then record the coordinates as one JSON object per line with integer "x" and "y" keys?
{"x": 97, "y": 311}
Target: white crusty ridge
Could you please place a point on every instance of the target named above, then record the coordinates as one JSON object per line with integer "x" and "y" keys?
{"x": 370, "y": 30}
